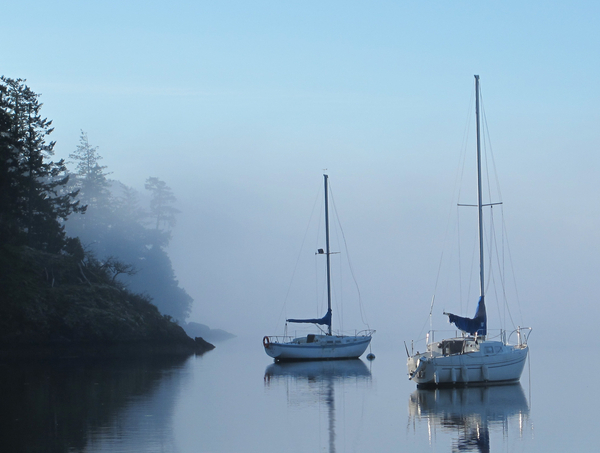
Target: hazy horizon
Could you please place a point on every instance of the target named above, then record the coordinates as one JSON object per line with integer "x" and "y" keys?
{"x": 239, "y": 107}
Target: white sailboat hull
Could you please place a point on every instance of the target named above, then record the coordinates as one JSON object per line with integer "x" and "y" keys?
{"x": 317, "y": 347}
{"x": 491, "y": 362}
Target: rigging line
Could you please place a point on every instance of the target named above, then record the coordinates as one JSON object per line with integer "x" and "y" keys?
{"x": 504, "y": 230}
{"x": 439, "y": 271}
{"x": 456, "y": 194}
{"x": 512, "y": 271}
{"x": 489, "y": 141}
{"x": 489, "y": 158}
{"x": 459, "y": 277}
{"x": 502, "y": 266}
{"x": 318, "y": 300}
{"x": 420, "y": 337}
{"x": 456, "y": 191}
{"x": 339, "y": 223}
{"x": 471, "y": 273}
{"x": 474, "y": 260}
{"x": 338, "y": 297}
{"x": 319, "y": 295}
{"x": 458, "y": 183}
{"x": 501, "y": 273}
{"x": 460, "y": 291}
{"x": 493, "y": 244}
{"x": 490, "y": 154}
{"x": 504, "y": 284}
{"x": 465, "y": 139}
{"x": 297, "y": 260}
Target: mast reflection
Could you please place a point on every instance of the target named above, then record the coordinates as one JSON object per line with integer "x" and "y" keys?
{"x": 307, "y": 379}
{"x": 470, "y": 413}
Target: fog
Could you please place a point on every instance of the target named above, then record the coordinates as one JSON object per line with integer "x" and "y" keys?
{"x": 240, "y": 107}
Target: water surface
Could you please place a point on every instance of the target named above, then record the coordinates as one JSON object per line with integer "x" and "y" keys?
{"x": 236, "y": 399}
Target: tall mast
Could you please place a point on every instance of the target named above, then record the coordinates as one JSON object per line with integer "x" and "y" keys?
{"x": 327, "y": 251}
{"x": 479, "y": 198}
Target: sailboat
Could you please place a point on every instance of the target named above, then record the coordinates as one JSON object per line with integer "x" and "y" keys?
{"x": 323, "y": 345}
{"x": 473, "y": 358}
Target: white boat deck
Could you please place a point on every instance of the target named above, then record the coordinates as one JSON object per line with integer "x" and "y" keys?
{"x": 317, "y": 346}
{"x": 462, "y": 361}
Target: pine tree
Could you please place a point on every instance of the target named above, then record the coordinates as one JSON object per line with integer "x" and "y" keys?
{"x": 90, "y": 177}
{"x": 39, "y": 205}
{"x": 90, "y": 180}
{"x": 161, "y": 202}
{"x": 10, "y": 181}
{"x": 128, "y": 204}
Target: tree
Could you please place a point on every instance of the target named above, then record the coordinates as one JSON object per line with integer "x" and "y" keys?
{"x": 126, "y": 206}
{"x": 35, "y": 201}
{"x": 9, "y": 175}
{"x": 90, "y": 177}
{"x": 90, "y": 180}
{"x": 117, "y": 267}
{"x": 161, "y": 202}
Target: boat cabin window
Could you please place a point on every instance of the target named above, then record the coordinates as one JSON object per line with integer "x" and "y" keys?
{"x": 450, "y": 347}
{"x": 489, "y": 350}
{"x": 310, "y": 338}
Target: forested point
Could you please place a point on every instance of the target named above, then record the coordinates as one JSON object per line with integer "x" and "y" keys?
{"x": 83, "y": 265}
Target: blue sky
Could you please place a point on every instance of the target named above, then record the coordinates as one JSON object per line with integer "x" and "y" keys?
{"x": 239, "y": 106}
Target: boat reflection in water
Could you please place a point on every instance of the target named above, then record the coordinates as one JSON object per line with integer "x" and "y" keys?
{"x": 471, "y": 413}
{"x": 304, "y": 381}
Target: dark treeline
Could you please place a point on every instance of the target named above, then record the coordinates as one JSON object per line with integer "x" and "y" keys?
{"x": 73, "y": 208}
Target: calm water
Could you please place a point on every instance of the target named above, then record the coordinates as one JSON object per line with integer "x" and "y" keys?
{"x": 235, "y": 399}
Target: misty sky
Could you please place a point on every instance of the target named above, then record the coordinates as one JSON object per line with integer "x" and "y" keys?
{"x": 240, "y": 105}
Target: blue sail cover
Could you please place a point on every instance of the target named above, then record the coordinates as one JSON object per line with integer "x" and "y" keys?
{"x": 476, "y": 325}
{"x": 325, "y": 320}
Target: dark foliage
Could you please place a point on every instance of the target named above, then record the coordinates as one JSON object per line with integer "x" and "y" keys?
{"x": 33, "y": 204}
{"x": 56, "y": 299}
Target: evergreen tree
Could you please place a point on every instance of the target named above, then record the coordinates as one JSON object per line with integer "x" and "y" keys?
{"x": 161, "y": 202}
{"x": 35, "y": 200}
{"x": 128, "y": 204}
{"x": 91, "y": 182}
{"x": 9, "y": 176}
{"x": 90, "y": 177}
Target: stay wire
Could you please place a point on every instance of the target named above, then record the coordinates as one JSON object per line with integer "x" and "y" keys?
{"x": 488, "y": 144}
{"x": 350, "y": 266}
{"x": 283, "y": 309}
{"x": 456, "y": 194}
